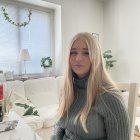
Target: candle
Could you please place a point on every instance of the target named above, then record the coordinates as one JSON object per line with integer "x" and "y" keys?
{"x": 1, "y": 92}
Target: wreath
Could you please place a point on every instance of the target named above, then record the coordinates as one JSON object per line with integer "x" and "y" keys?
{"x": 6, "y": 15}
{"x": 43, "y": 62}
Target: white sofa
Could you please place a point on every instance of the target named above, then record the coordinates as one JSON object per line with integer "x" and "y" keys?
{"x": 44, "y": 95}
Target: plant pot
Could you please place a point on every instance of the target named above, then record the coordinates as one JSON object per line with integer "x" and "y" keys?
{"x": 48, "y": 71}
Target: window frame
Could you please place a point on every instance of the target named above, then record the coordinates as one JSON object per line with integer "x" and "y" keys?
{"x": 38, "y": 8}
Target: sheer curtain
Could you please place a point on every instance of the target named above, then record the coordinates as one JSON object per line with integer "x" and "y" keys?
{"x": 36, "y": 37}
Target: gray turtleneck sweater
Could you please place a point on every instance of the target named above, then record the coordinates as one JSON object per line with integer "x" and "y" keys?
{"x": 107, "y": 120}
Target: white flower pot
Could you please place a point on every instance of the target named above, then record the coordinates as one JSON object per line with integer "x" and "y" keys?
{"x": 48, "y": 71}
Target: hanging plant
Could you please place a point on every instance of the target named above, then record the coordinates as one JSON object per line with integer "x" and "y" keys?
{"x": 6, "y": 15}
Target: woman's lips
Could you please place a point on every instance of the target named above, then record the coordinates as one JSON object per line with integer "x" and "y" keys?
{"x": 78, "y": 66}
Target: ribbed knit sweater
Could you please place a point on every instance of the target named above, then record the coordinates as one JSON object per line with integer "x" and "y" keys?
{"x": 107, "y": 120}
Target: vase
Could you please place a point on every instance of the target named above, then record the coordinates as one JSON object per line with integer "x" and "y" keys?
{"x": 48, "y": 71}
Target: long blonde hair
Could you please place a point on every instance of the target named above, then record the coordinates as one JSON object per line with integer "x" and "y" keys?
{"x": 98, "y": 82}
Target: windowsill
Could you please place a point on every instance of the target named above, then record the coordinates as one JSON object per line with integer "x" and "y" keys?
{"x": 24, "y": 77}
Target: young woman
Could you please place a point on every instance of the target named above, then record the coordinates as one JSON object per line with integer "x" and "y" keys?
{"x": 91, "y": 107}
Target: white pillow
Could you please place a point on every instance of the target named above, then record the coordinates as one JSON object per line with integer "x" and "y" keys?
{"x": 60, "y": 84}
{"x": 14, "y": 87}
{"x": 43, "y": 98}
{"x": 48, "y": 114}
{"x": 16, "y": 96}
{"x": 125, "y": 96}
{"x": 42, "y": 92}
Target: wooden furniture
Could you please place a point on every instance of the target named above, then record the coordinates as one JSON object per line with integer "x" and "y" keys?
{"x": 22, "y": 131}
{"x": 132, "y": 88}
{"x": 137, "y": 135}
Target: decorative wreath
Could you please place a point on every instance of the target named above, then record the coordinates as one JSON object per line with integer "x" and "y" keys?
{"x": 6, "y": 15}
{"x": 43, "y": 62}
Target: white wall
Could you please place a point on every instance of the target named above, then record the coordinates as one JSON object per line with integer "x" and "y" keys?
{"x": 79, "y": 16}
{"x": 117, "y": 20}
{"x": 54, "y": 1}
{"x": 121, "y": 35}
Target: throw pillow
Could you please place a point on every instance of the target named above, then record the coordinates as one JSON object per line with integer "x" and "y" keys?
{"x": 125, "y": 95}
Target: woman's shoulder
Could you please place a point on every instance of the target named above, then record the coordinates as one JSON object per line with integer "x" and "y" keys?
{"x": 115, "y": 95}
{"x": 110, "y": 101}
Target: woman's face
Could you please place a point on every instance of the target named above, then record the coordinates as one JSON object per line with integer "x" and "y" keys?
{"x": 79, "y": 58}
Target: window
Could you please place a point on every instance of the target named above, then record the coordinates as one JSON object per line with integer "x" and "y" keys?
{"x": 36, "y": 37}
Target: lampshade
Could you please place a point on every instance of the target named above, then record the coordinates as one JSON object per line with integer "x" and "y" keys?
{"x": 24, "y": 55}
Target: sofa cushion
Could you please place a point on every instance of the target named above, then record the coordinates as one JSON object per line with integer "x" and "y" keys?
{"x": 14, "y": 87}
{"x": 47, "y": 114}
{"x": 42, "y": 92}
{"x": 60, "y": 84}
{"x": 34, "y": 122}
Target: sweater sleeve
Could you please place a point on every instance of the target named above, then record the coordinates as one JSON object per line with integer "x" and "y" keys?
{"x": 58, "y": 133}
{"x": 115, "y": 116}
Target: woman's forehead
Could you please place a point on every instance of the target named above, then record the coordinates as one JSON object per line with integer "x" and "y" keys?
{"x": 79, "y": 43}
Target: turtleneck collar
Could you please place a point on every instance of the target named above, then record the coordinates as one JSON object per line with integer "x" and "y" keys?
{"x": 80, "y": 82}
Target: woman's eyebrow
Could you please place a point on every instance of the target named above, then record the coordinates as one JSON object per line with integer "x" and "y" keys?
{"x": 72, "y": 49}
{"x": 86, "y": 49}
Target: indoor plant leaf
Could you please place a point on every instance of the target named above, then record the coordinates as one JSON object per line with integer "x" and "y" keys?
{"x": 29, "y": 111}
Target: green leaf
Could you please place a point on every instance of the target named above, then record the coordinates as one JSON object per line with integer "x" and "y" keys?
{"x": 108, "y": 56}
{"x": 29, "y": 111}
{"x": 111, "y": 65}
{"x": 112, "y": 61}
{"x": 108, "y": 51}
{"x": 35, "y": 113}
{"x": 108, "y": 61}
{"x": 22, "y": 105}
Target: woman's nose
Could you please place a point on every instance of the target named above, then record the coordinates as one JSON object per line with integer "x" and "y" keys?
{"x": 78, "y": 57}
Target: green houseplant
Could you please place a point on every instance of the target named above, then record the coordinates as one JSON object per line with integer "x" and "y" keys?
{"x": 109, "y": 62}
{"x": 46, "y": 63}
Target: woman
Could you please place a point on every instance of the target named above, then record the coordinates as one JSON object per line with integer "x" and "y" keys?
{"x": 91, "y": 107}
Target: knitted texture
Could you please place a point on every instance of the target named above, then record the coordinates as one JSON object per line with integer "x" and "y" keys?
{"x": 107, "y": 120}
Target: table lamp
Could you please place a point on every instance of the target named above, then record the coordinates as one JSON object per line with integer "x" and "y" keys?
{"x": 24, "y": 56}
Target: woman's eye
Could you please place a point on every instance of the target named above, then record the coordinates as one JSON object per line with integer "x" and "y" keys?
{"x": 73, "y": 53}
{"x": 86, "y": 53}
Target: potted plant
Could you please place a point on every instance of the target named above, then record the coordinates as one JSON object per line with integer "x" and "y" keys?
{"x": 46, "y": 63}
{"x": 109, "y": 62}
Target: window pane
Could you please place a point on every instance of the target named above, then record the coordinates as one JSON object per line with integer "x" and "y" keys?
{"x": 9, "y": 41}
{"x": 36, "y": 37}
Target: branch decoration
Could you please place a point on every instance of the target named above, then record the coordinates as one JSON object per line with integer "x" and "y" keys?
{"x": 6, "y": 15}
